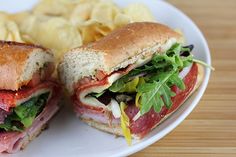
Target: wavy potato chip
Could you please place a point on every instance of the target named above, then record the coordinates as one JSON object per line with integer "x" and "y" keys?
{"x": 55, "y": 7}
{"x": 55, "y": 33}
{"x": 104, "y": 12}
{"x": 81, "y": 13}
{"x": 9, "y": 29}
{"x": 64, "y": 24}
{"x": 103, "y": 29}
{"x": 138, "y": 13}
{"x": 19, "y": 17}
{"x": 89, "y": 31}
{"x": 121, "y": 20}
{"x": 50, "y": 7}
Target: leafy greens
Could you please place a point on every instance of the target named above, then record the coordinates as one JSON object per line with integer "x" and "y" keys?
{"x": 162, "y": 72}
{"x": 152, "y": 82}
{"x": 23, "y": 115}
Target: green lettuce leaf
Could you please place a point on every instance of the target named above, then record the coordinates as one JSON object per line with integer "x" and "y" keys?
{"x": 23, "y": 115}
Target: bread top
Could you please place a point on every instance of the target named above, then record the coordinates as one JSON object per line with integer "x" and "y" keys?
{"x": 117, "y": 50}
{"x": 18, "y": 63}
{"x": 129, "y": 41}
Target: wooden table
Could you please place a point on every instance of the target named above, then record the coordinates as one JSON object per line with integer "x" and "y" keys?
{"x": 210, "y": 130}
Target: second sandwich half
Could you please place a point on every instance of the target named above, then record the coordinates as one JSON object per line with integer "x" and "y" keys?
{"x": 132, "y": 79}
{"x": 29, "y": 96}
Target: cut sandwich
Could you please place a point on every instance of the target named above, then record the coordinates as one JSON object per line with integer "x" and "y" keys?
{"x": 28, "y": 95}
{"x": 130, "y": 80}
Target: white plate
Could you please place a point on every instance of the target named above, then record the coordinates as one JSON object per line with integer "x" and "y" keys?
{"x": 67, "y": 136}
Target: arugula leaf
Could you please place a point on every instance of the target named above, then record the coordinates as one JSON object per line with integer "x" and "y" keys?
{"x": 175, "y": 80}
{"x": 148, "y": 100}
{"x": 166, "y": 93}
{"x": 155, "y": 92}
{"x": 203, "y": 63}
{"x": 151, "y": 98}
{"x": 174, "y": 50}
{"x": 158, "y": 105}
{"x": 23, "y": 115}
{"x": 117, "y": 85}
{"x": 145, "y": 87}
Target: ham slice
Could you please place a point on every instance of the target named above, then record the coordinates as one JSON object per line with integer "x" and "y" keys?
{"x": 97, "y": 115}
{"x": 88, "y": 85}
{"x": 145, "y": 123}
{"x": 12, "y": 142}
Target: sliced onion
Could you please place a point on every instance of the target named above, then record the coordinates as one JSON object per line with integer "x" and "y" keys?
{"x": 137, "y": 116}
{"x": 185, "y": 71}
{"x": 115, "y": 108}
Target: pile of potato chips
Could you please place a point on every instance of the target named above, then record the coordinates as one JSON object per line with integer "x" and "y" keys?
{"x": 65, "y": 24}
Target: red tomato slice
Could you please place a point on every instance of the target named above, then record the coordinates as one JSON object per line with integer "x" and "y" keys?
{"x": 8, "y": 99}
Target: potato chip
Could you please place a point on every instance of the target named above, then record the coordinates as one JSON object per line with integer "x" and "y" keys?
{"x": 50, "y": 7}
{"x": 103, "y": 29}
{"x": 81, "y": 13}
{"x": 138, "y": 13}
{"x": 89, "y": 31}
{"x": 8, "y": 29}
{"x": 55, "y": 7}
{"x": 64, "y": 24}
{"x": 19, "y": 17}
{"x": 52, "y": 32}
{"x": 121, "y": 20}
{"x": 104, "y": 12}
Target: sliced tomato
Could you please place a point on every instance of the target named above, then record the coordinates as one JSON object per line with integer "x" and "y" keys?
{"x": 8, "y": 99}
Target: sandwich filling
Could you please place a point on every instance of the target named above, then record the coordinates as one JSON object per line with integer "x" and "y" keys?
{"x": 22, "y": 116}
{"x": 24, "y": 112}
{"x": 138, "y": 97}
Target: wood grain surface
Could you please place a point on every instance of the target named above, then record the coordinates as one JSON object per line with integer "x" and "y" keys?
{"x": 210, "y": 130}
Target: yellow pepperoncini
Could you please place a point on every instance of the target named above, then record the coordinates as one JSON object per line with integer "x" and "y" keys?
{"x": 131, "y": 86}
{"x": 124, "y": 120}
{"x": 138, "y": 95}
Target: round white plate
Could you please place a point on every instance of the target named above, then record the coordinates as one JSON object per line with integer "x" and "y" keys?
{"x": 67, "y": 136}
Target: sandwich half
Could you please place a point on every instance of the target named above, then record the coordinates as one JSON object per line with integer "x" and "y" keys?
{"x": 28, "y": 95}
{"x": 130, "y": 80}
